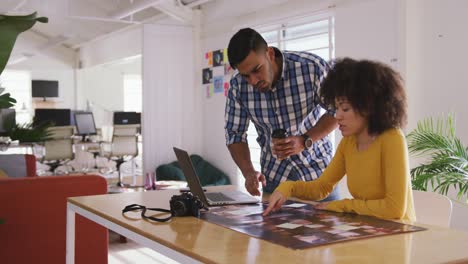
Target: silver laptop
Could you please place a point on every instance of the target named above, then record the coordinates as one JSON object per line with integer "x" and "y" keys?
{"x": 209, "y": 198}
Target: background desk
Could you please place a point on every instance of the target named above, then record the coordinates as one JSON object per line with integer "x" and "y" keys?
{"x": 191, "y": 240}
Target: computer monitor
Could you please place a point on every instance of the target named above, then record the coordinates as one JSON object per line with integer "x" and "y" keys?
{"x": 85, "y": 125}
{"x": 56, "y": 117}
{"x": 72, "y": 116}
{"x": 127, "y": 118}
{"x": 44, "y": 89}
{"x": 7, "y": 118}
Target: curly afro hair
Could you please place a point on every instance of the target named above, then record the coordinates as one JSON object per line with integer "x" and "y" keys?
{"x": 372, "y": 88}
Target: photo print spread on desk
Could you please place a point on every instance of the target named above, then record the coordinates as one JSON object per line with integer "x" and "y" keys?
{"x": 300, "y": 226}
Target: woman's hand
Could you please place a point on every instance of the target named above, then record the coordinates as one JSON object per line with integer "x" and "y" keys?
{"x": 275, "y": 202}
{"x": 321, "y": 206}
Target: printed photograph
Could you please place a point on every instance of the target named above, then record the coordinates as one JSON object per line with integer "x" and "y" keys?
{"x": 207, "y": 75}
{"x": 218, "y": 58}
{"x": 300, "y": 226}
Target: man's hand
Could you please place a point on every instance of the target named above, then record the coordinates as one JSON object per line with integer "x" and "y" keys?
{"x": 321, "y": 206}
{"x": 284, "y": 147}
{"x": 252, "y": 182}
{"x": 275, "y": 202}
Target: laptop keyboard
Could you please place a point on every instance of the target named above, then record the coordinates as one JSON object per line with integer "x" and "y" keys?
{"x": 218, "y": 197}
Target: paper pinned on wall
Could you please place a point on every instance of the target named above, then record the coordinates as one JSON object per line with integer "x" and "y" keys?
{"x": 226, "y": 60}
{"x": 226, "y": 88}
{"x": 216, "y": 72}
{"x": 218, "y": 84}
{"x": 207, "y": 75}
{"x": 218, "y": 58}
{"x": 209, "y": 90}
{"x": 209, "y": 58}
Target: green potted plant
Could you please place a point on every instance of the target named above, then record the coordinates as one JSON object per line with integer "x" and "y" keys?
{"x": 29, "y": 133}
{"x": 446, "y": 163}
{"x": 6, "y": 101}
{"x": 10, "y": 28}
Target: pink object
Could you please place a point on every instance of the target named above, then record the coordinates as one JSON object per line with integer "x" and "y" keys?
{"x": 149, "y": 181}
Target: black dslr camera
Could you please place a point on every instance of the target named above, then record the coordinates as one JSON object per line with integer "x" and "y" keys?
{"x": 185, "y": 205}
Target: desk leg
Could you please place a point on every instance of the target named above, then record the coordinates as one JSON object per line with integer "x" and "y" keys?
{"x": 170, "y": 253}
{"x": 70, "y": 259}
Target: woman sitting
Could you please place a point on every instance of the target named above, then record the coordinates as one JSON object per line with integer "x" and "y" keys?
{"x": 370, "y": 104}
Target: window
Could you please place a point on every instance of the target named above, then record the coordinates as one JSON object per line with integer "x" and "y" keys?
{"x": 314, "y": 35}
{"x": 18, "y": 84}
{"x": 132, "y": 93}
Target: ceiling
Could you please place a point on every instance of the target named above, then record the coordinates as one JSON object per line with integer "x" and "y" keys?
{"x": 74, "y": 23}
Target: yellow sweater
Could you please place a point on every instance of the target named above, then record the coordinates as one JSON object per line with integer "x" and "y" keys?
{"x": 378, "y": 179}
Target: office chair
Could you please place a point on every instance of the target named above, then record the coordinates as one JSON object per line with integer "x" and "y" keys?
{"x": 432, "y": 208}
{"x": 124, "y": 148}
{"x": 59, "y": 148}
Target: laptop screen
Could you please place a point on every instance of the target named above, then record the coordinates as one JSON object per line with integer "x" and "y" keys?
{"x": 190, "y": 174}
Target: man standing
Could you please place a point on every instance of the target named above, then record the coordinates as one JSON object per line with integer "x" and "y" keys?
{"x": 276, "y": 89}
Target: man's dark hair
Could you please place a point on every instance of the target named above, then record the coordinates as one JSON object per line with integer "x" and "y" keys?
{"x": 372, "y": 88}
{"x": 240, "y": 45}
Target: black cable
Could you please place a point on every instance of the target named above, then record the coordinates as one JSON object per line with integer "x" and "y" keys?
{"x": 136, "y": 207}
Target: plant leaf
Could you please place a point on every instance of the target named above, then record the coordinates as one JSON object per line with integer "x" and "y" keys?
{"x": 448, "y": 158}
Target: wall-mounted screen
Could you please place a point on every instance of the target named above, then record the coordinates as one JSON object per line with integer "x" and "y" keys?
{"x": 44, "y": 89}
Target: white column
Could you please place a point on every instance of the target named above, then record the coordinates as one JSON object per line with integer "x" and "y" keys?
{"x": 70, "y": 256}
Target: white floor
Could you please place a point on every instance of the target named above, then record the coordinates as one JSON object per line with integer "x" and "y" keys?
{"x": 131, "y": 252}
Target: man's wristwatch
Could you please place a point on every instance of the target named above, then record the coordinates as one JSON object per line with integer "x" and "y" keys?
{"x": 308, "y": 142}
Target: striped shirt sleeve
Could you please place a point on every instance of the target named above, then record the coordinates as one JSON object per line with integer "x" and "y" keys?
{"x": 236, "y": 117}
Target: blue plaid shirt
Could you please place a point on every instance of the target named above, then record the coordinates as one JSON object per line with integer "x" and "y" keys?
{"x": 292, "y": 104}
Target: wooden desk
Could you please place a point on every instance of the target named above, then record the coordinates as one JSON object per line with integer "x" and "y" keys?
{"x": 191, "y": 240}
{"x": 18, "y": 148}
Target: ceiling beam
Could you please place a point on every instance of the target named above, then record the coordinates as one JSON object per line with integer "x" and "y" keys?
{"x": 175, "y": 9}
{"x": 129, "y": 27}
{"x": 134, "y": 8}
{"x": 114, "y": 20}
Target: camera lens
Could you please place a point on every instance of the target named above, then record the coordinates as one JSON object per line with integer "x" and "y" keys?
{"x": 178, "y": 208}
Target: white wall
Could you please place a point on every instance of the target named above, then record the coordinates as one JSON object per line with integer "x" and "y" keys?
{"x": 436, "y": 53}
{"x": 367, "y": 30}
{"x": 171, "y": 102}
{"x": 436, "y": 76}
